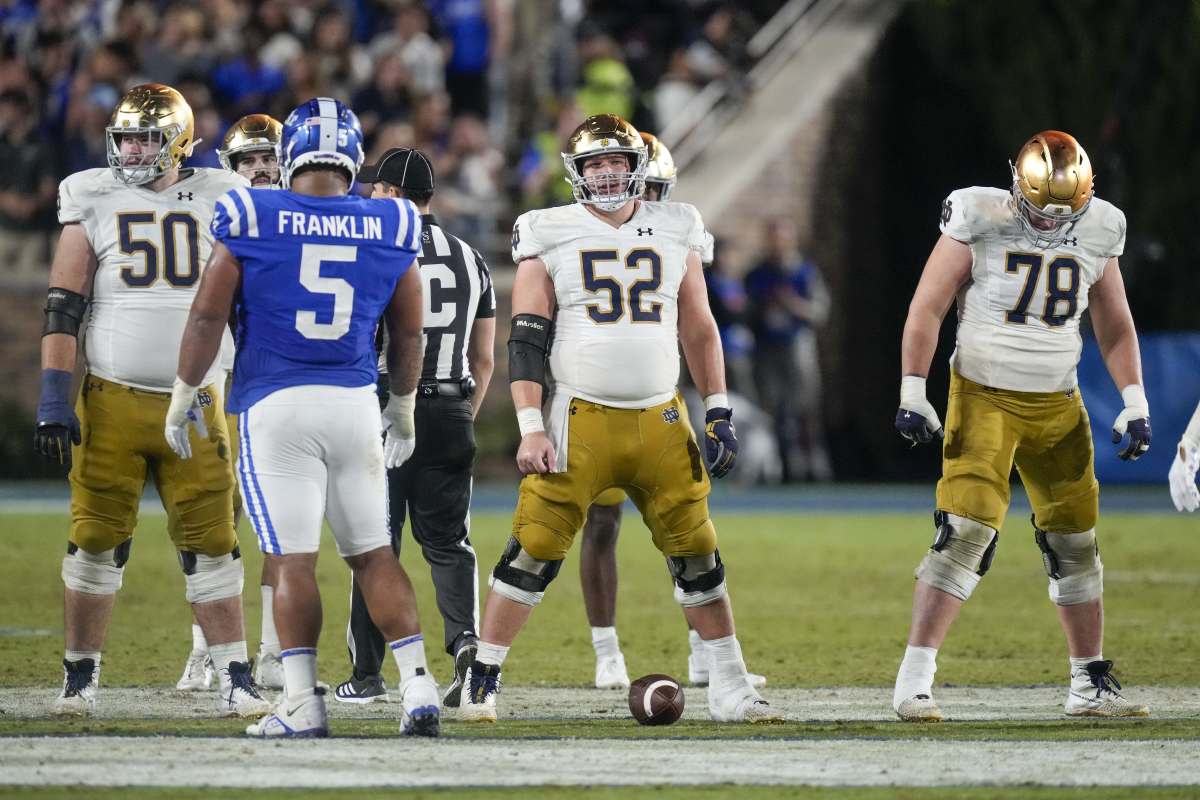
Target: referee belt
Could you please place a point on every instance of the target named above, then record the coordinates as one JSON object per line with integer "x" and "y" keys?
{"x": 461, "y": 389}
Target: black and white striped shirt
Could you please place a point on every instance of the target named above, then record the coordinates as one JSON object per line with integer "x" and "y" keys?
{"x": 457, "y": 290}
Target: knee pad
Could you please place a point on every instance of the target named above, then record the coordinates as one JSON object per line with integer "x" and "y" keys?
{"x": 520, "y": 577}
{"x": 960, "y": 555}
{"x": 699, "y": 580}
{"x": 212, "y": 578}
{"x": 1072, "y": 561}
{"x": 95, "y": 573}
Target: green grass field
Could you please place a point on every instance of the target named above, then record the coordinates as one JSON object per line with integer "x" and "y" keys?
{"x": 820, "y": 601}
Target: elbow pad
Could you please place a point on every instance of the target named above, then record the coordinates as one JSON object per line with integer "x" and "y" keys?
{"x": 528, "y": 348}
{"x": 64, "y": 311}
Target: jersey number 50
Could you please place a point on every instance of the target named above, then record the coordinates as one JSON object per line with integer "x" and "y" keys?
{"x": 638, "y": 311}
{"x": 176, "y": 271}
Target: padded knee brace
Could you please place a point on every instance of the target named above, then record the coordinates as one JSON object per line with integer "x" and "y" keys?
{"x": 520, "y": 577}
{"x": 960, "y": 555}
{"x": 95, "y": 573}
{"x": 212, "y": 578}
{"x": 699, "y": 580}
{"x": 1072, "y": 561}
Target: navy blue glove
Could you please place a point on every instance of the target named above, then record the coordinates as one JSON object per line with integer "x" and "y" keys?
{"x": 1138, "y": 431}
{"x": 57, "y": 425}
{"x": 720, "y": 441}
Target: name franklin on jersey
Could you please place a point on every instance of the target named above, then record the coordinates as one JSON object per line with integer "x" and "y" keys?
{"x": 298, "y": 223}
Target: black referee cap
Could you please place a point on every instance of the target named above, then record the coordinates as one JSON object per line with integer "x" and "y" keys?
{"x": 404, "y": 167}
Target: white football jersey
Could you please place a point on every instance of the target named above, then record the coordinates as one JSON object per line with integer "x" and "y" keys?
{"x": 1018, "y": 315}
{"x": 150, "y": 250}
{"x": 616, "y": 331}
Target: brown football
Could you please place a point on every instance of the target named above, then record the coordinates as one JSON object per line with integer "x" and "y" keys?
{"x": 656, "y": 700}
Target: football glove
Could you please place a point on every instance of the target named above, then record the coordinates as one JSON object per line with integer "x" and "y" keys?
{"x": 720, "y": 441}
{"x": 1133, "y": 420}
{"x": 57, "y": 426}
{"x": 184, "y": 412}
{"x": 400, "y": 431}
{"x": 916, "y": 420}
{"x": 1182, "y": 477}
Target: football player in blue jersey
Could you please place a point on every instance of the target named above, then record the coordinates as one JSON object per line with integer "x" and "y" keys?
{"x": 313, "y": 269}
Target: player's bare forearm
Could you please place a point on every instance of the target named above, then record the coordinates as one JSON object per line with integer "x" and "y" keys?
{"x": 698, "y": 334}
{"x": 946, "y": 270}
{"x": 1113, "y": 325}
{"x": 209, "y": 315}
{"x": 526, "y": 394}
{"x": 481, "y": 358}
{"x": 73, "y": 268}
{"x": 404, "y": 318}
{"x": 199, "y": 347}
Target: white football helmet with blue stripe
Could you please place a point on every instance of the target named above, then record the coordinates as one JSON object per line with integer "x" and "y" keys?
{"x": 323, "y": 132}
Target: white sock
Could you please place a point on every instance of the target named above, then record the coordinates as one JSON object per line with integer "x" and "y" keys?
{"x": 222, "y": 654}
{"x": 270, "y": 639}
{"x": 725, "y": 658}
{"x": 1079, "y": 673}
{"x": 915, "y": 675}
{"x": 409, "y": 653}
{"x": 604, "y": 641}
{"x": 696, "y": 643}
{"x": 299, "y": 671}
{"x": 491, "y": 654}
{"x": 78, "y": 655}
{"x": 199, "y": 643}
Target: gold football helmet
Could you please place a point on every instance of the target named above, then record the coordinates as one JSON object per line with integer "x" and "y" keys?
{"x": 660, "y": 173}
{"x": 251, "y": 133}
{"x": 1052, "y": 187}
{"x": 161, "y": 120}
{"x": 602, "y": 134}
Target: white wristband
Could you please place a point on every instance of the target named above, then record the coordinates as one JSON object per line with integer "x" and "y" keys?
{"x": 912, "y": 390}
{"x": 716, "y": 400}
{"x": 1134, "y": 396}
{"x": 529, "y": 420}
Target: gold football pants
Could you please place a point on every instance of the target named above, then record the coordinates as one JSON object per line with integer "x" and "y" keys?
{"x": 1047, "y": 436}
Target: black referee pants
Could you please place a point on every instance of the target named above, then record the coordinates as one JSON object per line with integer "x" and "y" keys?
{"x": 433, "y": 488}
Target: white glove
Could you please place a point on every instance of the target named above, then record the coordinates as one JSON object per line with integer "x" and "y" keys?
{"x": 184, "y": 411}
{"x": 916, "y": 420}
{"x": 398, "y": 424}
{"x": 1182, "y": 477}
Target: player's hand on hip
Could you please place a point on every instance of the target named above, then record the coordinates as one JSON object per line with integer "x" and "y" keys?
{"x": 720, "y": 441}
{"x": 916, "y": 419}
{"x": 183, "y": 413}
{"x": 57, "y": 426}
{"x": 536, "y": 454}
{"x": 1182, "y": 477}
{"x": 1134, "y": 421}
{"x": 400, "y": 428}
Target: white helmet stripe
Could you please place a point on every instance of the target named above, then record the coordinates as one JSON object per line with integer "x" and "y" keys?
{"x": 329, "y": 123}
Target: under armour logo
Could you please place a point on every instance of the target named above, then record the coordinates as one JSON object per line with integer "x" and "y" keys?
{"x": 1072, "y": 242}
{"x": 907, "y": 414}
{"x": 671, "y": 415}
{"x": 645, "y": 231}
{"x": 185, "y": 195}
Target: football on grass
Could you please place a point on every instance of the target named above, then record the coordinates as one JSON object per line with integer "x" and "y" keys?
{"x": 656, "y": 700}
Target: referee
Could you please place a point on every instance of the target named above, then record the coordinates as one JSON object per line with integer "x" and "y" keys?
{"x": 433, "y": 487}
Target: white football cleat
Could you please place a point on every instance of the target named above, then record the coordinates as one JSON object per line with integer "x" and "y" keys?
{"x": 198, "y": 673}
{"x": 611, "y": 672}
{"x": 420, "y": 715}
{"x": 736, "y": 700}
{"x": 919, "y": 708}
{"x": 268, "y": 669}
{"x": 698, "y": 673}
{"x": 479, "y": 699}
{"x": 305, "y": 718}
{"x": 239, "y": 695}
{"x": 1095, "y": 692}
{"x": 78, "y": 696}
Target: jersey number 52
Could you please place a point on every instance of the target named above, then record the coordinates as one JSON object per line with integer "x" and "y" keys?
{"x": 639, "y": 311}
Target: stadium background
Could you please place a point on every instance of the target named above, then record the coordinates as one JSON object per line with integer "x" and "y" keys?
{"x": 883, "y": 107}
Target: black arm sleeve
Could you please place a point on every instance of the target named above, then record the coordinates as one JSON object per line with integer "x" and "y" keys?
{"x": 528, "y": 347}
{"x": 64, "y": 311}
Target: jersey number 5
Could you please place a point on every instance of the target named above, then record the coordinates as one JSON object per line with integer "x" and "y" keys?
{"x": 638, "y": 311}
{"x": 311, "y": 256}
{"x": 1057, "y": 295}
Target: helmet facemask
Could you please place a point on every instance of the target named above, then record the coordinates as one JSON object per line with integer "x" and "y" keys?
{"x": 607, "y": 191}
{"x": 138, "y": 169}
{"x": 1046, "y": 227}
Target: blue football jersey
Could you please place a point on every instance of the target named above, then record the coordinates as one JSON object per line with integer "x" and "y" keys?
{"x": 317, "y": 273}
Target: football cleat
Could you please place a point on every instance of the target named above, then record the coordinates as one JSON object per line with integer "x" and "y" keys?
{"x": 919, "y": 708}
{"x": 239, "y": 695}
{"x": 198, "y": 673}
{"x": 370, "y": 689}
{"x": 611, "y": 672}
{"x": 268, "y": 669}
{"x": 736, "y": 700}
{"x": 305, "y": 718}
{"x": 78, "y": 697}
{"x": 419, "y": 700}
{"x": 1095, "y": 692}
{"x": 483, "y": 684}
{"x": 462, "y": 664}
{"x": 698, "y": 673}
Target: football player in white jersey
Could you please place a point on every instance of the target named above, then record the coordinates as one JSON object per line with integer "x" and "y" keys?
{"x": 134, "y": 241}
{"x": 1182, "y": 477}
{"x": 621, "y": 283}
{"x": 598, "y": 545}
{"x": 248, "y": 149}
{"x": 1023, "y": 265}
